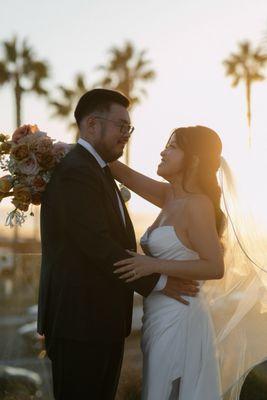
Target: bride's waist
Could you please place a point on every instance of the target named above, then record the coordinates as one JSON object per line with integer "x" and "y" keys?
{"x": 159, "y": 301}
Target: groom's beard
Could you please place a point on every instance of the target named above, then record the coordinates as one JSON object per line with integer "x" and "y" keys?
{"x": 107, "y": 154}
{"x": 107, "y": 150}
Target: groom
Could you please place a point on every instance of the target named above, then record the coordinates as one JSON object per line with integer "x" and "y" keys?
{"x": 85, "y": 311}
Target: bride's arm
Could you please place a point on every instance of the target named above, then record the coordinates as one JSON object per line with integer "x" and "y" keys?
{"x": 153, "y": 191}
{"x": 204, "y": 238}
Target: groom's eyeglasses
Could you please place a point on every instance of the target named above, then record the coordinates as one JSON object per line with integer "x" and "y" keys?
{"x": 125, "y": 128}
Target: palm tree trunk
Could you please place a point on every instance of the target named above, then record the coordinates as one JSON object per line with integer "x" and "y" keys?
{"x": 18, "y": 123}
{"x": 248, "y": 98}
{"x": 18, "y": 102}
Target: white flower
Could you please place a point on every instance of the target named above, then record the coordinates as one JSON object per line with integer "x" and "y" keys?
{"x": 29, "y": 166}
{"x": 125, "y": 193}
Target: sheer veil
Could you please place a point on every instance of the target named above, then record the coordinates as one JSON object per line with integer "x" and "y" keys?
{"x": 238, "y": 302}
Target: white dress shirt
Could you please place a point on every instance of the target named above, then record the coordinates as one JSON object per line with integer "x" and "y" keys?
{"x": 163, "y": 278}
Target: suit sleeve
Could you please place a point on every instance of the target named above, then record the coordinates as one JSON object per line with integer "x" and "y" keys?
{"x": 83, "y": 209}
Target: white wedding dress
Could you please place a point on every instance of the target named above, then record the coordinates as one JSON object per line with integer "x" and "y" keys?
{"x": 177, "y": 339}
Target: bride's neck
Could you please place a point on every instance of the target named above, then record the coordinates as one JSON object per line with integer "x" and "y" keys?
{"x": 180, "y": 191}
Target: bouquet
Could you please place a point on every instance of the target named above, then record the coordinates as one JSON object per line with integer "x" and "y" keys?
{"x": 29, "y": 159}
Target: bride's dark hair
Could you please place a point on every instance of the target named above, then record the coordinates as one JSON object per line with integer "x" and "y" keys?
{"x": 202, "y": 147}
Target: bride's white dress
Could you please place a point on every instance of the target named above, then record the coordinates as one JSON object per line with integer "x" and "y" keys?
{"x": 177, "y": 339}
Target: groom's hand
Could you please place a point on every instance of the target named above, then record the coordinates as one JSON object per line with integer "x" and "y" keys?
{"x": 176, "y": 288}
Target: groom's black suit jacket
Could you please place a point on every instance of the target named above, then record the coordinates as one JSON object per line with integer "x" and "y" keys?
{"x": 83, "y": 235}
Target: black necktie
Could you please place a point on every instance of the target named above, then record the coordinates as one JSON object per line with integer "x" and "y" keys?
{"x": 108, "y": 175}
{"x": 110, "y": 179}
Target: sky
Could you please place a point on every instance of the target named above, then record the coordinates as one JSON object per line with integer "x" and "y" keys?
{"x": 186, "y": 41}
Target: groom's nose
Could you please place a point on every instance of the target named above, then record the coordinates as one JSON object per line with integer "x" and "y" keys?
{"x": 125, "y": 136}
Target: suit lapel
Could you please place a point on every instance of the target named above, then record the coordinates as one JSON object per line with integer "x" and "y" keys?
{"x": 108, "y": 189}
{"x": 129, "y": 226}
{"x": 111, "y": 194}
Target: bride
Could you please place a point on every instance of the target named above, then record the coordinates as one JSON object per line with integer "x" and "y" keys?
{"x": 184, "y": 241}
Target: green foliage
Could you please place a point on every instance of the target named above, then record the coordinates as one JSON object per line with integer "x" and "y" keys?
{"x": 68, "y": 97}
{"x": 127, "y": 71}
{"x": 247, "y": 64}
{"x": 20, "y": 64}
{"x": 20, "y": 67}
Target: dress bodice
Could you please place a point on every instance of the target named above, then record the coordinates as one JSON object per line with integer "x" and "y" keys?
{"x": 163, "y": 242}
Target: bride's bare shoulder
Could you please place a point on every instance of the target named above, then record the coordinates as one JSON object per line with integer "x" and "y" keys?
{"x": 199, "y": 203}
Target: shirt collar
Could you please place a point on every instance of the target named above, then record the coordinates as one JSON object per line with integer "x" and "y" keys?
{"x": 92, "y": 150}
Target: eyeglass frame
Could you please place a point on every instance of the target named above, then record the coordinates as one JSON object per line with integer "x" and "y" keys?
{"x": 117, "y": 123}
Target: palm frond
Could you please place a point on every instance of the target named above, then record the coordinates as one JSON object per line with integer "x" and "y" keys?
{"x": 245, "y": 48}
{"x": 246, "y": 63}
{"x": 257, "y": 77}
{"x": 61, "y": 110}
{"x": 40, "y": 69}
{"x": 38, "y": 89}
{"x": 11, "y": 50}
{"x": 66, "y": 92}
{"x": 127, "y": 71}
{"x": 80, "y": 82}
{"x": 236, "y": 80}
{"x": 26, "y": 52}
{"x": 4, "y": 74}
{"x": 147, "y": 75}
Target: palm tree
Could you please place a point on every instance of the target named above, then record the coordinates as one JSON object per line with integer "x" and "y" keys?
{"x": 246, "y": 65}
{"x": 20, "y": 68}
{"x": 63, "y": 108}
{"x": 23, "y": 71}
{"x": 127, "y": 71}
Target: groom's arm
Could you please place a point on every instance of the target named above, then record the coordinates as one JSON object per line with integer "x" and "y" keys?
{"x": 83, "y": 210}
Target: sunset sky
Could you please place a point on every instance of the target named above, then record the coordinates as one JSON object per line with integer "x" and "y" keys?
{"x": 186, "y": 40}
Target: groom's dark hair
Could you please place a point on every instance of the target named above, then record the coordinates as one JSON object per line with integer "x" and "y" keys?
{"x": 98, "y": 100}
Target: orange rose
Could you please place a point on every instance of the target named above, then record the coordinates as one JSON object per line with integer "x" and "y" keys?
{"x": 20, "y": 152}
{"x": 43, "y": 145}
{"x": 23, "y": 131}
{"x": 6, "y": 183}
{"x": 46, "y": 161}
{"x": 3, "y": 137}
{"x": 22, "y": 194}
{"x": 5, "y": 147}
{"x": 38, "y": 183}
{"x": 36, "y": 198}
{"x": 20, "y": 206}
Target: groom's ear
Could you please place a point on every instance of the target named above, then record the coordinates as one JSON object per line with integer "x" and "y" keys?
{"x": 88, "y": 127}
{"x": 90, "y": 124}
{"x": 91, "y": 121}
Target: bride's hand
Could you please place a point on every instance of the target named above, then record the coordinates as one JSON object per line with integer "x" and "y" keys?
{"x": 136, "y": 267}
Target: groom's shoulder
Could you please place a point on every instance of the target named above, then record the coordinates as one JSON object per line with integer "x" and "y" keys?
{"x": 76, "y": 160}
